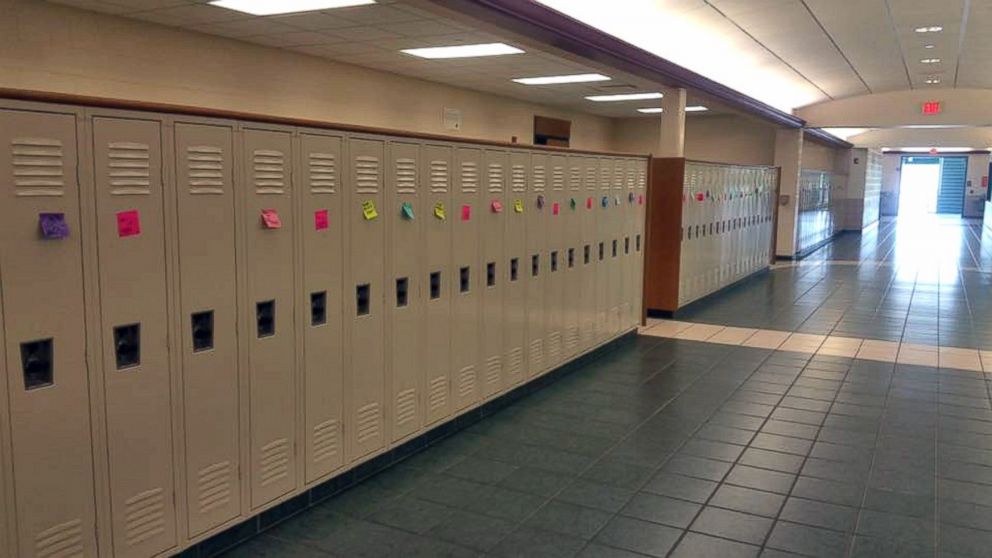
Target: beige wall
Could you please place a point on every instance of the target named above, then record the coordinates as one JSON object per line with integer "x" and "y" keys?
{"x": 49, "y": 47}
{"x": 729, "y": 139}
{"x": 819, "y": 157}
{"x": 969, "y": 107}
{"x": 637, "y": 135}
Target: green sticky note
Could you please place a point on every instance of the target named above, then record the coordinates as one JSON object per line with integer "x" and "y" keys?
{"x": 408, "y": 210}
{"x": 571, "y": 203}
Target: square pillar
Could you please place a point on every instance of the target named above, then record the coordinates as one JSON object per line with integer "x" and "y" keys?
{"x": 788, "y": 157}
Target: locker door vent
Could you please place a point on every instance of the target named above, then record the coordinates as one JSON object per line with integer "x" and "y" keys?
{"x": 466, "y": 381}
{"x": 604, "y": 178}
{"x": 214, "y": 486}
{"x": 129, "y": 168}
{"x": 557, "y": 178}
{"x": 554, "y": 346}
{"x": 326, "y": 440}
{"x": 274, "y": 462}
{"x": 64, "y": 539}
{"x": 439, "y": 177}
{"x": 587, "y": 330}
{"x": 368, "y": 425}
{"x": 575, "y": 178}
{"x": 641, "y": 178}
{"x": 367, "y": 174}
{"x": 518, "y": 178}
{"x": 537, "y": 353}
{"x": 631, "y": 178}
{"x": 618, "y": 177}
{"x": 406, "y": 407}
{"x": 470, "y": 177}
{"x": 323, "y": 169}
{"x": 495, "y": 178}
{"x": 144, "y": 516}
{"x": 39, "y": 169}
{"x": 572, "y": 337}
{"x": 540, "y": 178}
{"x": 590, "y": 178}
{"x": 437, "y": 398}
{"x": 269, "y": 171}
{"x": 494, "y": 369}
{"x": 406, "y": 176}
{"x": 205, "y": 168}
{"x": 514, "y": 361}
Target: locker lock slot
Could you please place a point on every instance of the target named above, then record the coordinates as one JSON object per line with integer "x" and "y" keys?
{"x": 402, "y": 292}
{"x": 318, "y": 308}
{"x": 535, "y": 265}
{"x": 38, "y": 363}
{"x": 637, "y": 243}
{"x": 602, "y": 251}
{"x": 613, "y": 251}
{"x": 127, "y": 345}
{"x": 585, "y": 254}
{"x": 514, "y": 269}
{"x": 554, "y": 260}
{"x": 265, "y": 318}
{"x": 626, "y": 245}
{"x": 363, "y": 299}
{"x": 202, "y": 328}
{"x": 571, "y": 258}
{"x": 464, "y": 279}
{"x": 435, "y": 285}
{"x": 491, "y": 274}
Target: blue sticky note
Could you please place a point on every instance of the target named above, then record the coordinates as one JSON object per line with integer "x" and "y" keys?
{"x": 605, "y": 202}
{"x": 53, "y": 225}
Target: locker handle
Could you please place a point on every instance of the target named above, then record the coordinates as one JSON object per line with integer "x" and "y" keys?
{"x": 402, "y": 292}
{"x": 626, "y": 245}
{"x": 127, "y": 345}
{"x": 318, "y": 308}
{"x": 535, "y": 265}
{"x": 554, "y": 261}
{"x": 571, "y": 258}
{"x": 614, "y": 249}
{"x": 464, "y": 279}
{"x": 202, "y": 330}
{"x": 435, "y": 281}
{"x": 38, "y": 363}
{"x": 585, "y": 254}
{"x": 491, "y": 274}
{"x": 514, "y": 269}
{"x": 265, "y": 318}
{"x": 637, "y": 243}
{"x": 602, "y": 251}
{"x": 363, "y": 299}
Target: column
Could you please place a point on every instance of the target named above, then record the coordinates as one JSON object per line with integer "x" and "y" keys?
{"x": 788, "y": 157}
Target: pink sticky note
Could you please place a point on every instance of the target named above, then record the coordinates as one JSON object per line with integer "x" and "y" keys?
{"x": 270, "y": 219}
{"x": 700, "y": 196}
{"x": 588, "y": 203}
{"x": 320, "y": 221}
{"x": 466, "y": 212}
{"x": 128, "y": 223}
{"x": 497, "y": 206}
{"x": 555, "y": 208}
{"x": 640, "y": 199}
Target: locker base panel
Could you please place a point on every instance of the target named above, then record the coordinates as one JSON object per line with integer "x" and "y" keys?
{"x": 805, "y": 252}
{"x": 683, "y": 310}
{"x": 262, "y": 521}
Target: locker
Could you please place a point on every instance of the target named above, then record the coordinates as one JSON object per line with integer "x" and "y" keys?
{"x": 628, "y": 218}
{"x": 554, "y": 283}
{"x": 465, "y": 317}
{"x": 571, "y": 258}
{"x": 405, "y": 308}
{"x": 587, "y": 258}
{"x": 208, "y": 316}
{"x": 514, "y": 274}
{"x": 438, "y": 214}
{"x": 638, "y": 241}
{"x": 43, "y": 333}
{"x": 614, "y": 248}
{"x": 321, "y": 320}
{"x": 536, "y": 218}
{"x": 269, "y": 331}
{"x": 365, "y": 375}
{"x": 492, "y": 218}
{"x": 127, "y": 167}
{"x": 605, "y": 284}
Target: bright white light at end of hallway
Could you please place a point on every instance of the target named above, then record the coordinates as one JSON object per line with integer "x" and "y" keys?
{"x": 699, "y": 40}
{"x": 625, "y": 97}
{"x": 464, "y": 51}
{"x": 274, "y": 7}
{"x": 555, "y": 80}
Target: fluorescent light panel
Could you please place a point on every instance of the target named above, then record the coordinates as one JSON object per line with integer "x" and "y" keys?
{"x": 929, "y": 29}
{"x": 625, "y": 97}
{"x": 651, "y": 110}
{"x": 696, "y": 108}
{"x": 273, "y": 7}
{"x": 464, "y": 51}
{"x": 555, "y": 80}
{"x": 927, "y": 149}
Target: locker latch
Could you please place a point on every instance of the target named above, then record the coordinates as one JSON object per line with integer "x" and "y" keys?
{"x": 554, "y": 260}
{"x": 571, "y": 258}
{"x": 363, "y": 299}
{"x": 318, "y": 308}
{"x": 535, "y": 265}
{"x": 38, "y": 363}
{"x": 514, "y": 269}
{"x": 127, "y": 345}
{"x": 435, "y": 284}
{"x": 464, "y": 279}
{"x": 585, "y": 254}
{"x": 613, "y": 252}
{"x": 491, "y": 274}
{"x": 626, "y": 245}
{"x": 602, "y": 251}
{"x": 202, "y": 328}
{"x": 402, "y": 292}
{"x": 265, "y": 318}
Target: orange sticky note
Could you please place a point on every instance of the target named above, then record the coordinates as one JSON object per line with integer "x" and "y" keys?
{"x": 270, "y": 219}
{"x": 555, "y": 208}
{"x": 497, "y": 206}
{"x": 320, "y": 220}
{"x": 466, "y": 212}
{"x": 128, "y": 223}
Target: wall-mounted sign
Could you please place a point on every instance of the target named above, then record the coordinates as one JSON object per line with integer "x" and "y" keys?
{"x": 931, "y": 107}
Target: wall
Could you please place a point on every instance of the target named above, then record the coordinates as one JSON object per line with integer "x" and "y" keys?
{"x": 637, "y": 135}
{"x": 968, "y": 107}
{"x": 819, "y": 157}
{"x": 729, "y": 139}
{"x": 52, "y": 48}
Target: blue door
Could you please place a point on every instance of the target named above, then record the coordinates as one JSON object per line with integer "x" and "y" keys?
{"x": 950, "y": 196}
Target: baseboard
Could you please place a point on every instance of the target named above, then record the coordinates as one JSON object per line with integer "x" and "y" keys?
{"x": 672, "y": 314}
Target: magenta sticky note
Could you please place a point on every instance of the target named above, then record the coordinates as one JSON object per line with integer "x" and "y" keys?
{"x": 640, "y": 199}
{"x": 497, "y": 206}
{"x": 466, "y": 212}
{"x": 128, "y": 223}
{"x": 53, "y": 225}
{"x": 270, "y": 219}
{"x": 320, "y": 220}
{"x": 555, "y": 208}
{"x": 588, "y": 203}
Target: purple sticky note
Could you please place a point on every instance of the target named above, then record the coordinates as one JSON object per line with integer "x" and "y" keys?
{"x": 53, "y": 225}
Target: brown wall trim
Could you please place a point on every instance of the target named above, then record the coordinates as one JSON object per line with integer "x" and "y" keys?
{"x": 188, "y": 110}
{"x": 663, "y": 226}
{"x": 830, "y": 140}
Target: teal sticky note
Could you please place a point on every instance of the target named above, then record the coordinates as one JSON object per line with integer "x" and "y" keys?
{"x": 407, "y": 209}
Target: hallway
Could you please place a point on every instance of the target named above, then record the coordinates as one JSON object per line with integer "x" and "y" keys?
{"x": 669, "y": 446}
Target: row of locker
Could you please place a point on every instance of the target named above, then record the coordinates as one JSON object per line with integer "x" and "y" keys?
{"x": 819, "y": 209}
{"x": 202, "y": 318}
{"x": 727, "y": 225}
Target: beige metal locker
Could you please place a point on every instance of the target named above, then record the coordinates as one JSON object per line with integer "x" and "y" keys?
{"x": 365, "y": 375}
{"x": 437, "y": 215}
{"x": 269, "y": 331}
{"x": 554, "y": 285}
{"x": 572, "y": 247}
{"x": 492, "y": 219}
{"x": 44, "y": 340}
{"x": 322, "y": 233}
{"x": 208, "y": 316}
{"x": 127, "y": 161}
{"x": 465, "y": 317}
{"x": 637, "y": 242}
{"x": 604, "y": 231}
{"x": 6, "y": 517}
{"x": 628, "y": 209}
{"x": 590, "y": 208}
{"x": 613, "y": 245}
{"x": 514, "y": 273}
{"x": 404, "y": 301}
{"x": 534, "y": 268}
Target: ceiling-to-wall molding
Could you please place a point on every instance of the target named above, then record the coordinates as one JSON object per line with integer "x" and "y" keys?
{"x": 826, "y": 138}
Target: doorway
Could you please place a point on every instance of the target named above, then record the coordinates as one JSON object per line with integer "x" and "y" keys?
{"x": 932, "y": 185}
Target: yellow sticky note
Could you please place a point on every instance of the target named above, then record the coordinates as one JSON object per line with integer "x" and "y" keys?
{"x": 439, "y": 211}
{"x": 368, "y": 210}
{"x": 518, "y": 206}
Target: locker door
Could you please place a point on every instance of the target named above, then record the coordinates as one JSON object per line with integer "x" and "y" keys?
{"x": 601, "y": 251}
{"x": 533, "y": 269}
{"x": 514, "y": 274}
{"x": 269, "y": 325}
{"x": 128, "y": 180}
{"x": 438, "y": 213}
{"x": 404, "y": 301}
{"x": 614, "y": 246}
{"x": 572, "y": 254}
{"x": 208, "y": 315}
{"x": 466, "y": 277}
{"x": 589, "y": 204}
{"x": 322, "y": 229}
{"x": 44, "y": 340}
{"x": 492, "y": 216}
{"x": 554, "y": 283}
{"x": 628, "y": 218}
{"x": 638, "y": 240}
{"x": 364, "y": 336}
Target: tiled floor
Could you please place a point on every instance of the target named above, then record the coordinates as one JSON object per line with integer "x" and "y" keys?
{"x": 671, "y": 446}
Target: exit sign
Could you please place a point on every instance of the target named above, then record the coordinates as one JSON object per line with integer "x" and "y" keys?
{"x": 931, "y": 107}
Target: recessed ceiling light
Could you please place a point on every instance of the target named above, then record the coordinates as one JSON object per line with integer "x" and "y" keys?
{"x": 696, "y": 108}
{"x": 273, "y": 7}
{"x": 930, "y": 61}
{"x": 932, "y": 81}
{"x": 554, "y": 80}
{"x": 929, "y": 29}
{"x": 625, "y": 97}
{"x": 929, "y": 46}
{"x": 651, "y": 110}
{"x": 464, "y": 51}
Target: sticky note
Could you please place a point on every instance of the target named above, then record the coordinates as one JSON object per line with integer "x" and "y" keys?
{"x": 53, "y": 225}
{"x": 571, "y": 204}
{"x": 540, "y": 202}
{"x": 588, "y": 203}
{"x": 439, "y": 210}
{"x": 700, "y": 196}
{"x": 605, "y": 202}
{"x": 497, "y": 206}
{"x": 466, "y": 212}
{"x": 630, "y": 197}
{"x": 640, "y": 199}
{"x": 270, "y": 219}
{"x": 320, "y": 220}
{"x": 518, "y": 206}
{"x": 616, "y": 200}
{"x": 128, "y": 223}
{"x": 407, "y": 210}
{"x": 368, "y": 210}
{"x": 555, "y": 208}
